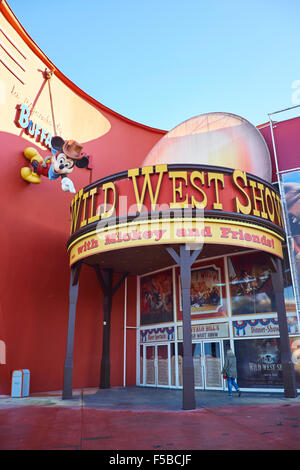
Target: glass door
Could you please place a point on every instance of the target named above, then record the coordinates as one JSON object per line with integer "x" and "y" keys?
{"x": 149, "y": 369}
{"x": 213, "y": 365}
{"x": 197, "y": 349}
{"x": 156, "y": 365}
{"x": 163, "y": 367}
{"x": 198, "y": 365}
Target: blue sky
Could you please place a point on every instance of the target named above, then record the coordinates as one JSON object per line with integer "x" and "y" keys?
{"x": 160, "y": 62}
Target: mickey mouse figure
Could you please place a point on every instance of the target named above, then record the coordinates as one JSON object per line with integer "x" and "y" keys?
{"x": 65, "y": 156}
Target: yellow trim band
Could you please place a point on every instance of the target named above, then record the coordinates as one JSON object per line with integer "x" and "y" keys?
{"x": 169, "y": 231}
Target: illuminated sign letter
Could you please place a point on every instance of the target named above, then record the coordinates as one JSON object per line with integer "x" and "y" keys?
{"x": 147, "y": 171}
{"x": 241, "y": 208}
{"x": 200, "y": 176}
{"x": 108, "y": 211}
{"x": 216, "y": 177}
{"x": 178, "y": 189}
{"x": 75, "y": 206}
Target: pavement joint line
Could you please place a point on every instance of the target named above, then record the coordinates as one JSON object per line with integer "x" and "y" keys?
{"x": 144, "y": 400}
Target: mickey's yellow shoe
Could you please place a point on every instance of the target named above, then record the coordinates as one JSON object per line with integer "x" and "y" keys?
{"x": 30, "y": 176}
{"x": 32, "y": 154}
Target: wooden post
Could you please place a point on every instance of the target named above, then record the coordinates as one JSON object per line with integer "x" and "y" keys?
{"x": 107, "y": 305}
{"x": 108, "y": 290}
{"x": 185, "y": 261}
{"x": 288, "y": 371}
{"x": 68, "y": 367}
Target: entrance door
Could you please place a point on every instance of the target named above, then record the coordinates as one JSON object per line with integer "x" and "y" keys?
{"x": 207, "y": 358}
{"x": 157, "y": 365}
{"x": 149, "y": 369}
{"x": 163, "y": 366}
{"x": 213, "y": 365}
{"x": 198, "y": 365}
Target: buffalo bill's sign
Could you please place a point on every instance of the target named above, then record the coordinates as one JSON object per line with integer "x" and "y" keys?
{"x": 176, "y": 204}
{"x": 36, "y": 131}
{"x": 206, "y": 331}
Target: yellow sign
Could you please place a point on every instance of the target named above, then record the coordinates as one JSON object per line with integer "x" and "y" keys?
{"x": 169, "y": 231}
{"x": 156, "y": 189}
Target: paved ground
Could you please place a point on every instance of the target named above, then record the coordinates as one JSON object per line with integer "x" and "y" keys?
{"x": 137, "y": 418}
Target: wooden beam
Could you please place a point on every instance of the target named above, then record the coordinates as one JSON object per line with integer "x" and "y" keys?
{"x": 108, "y": 290}
{"x": 99, "y": 276}
{"x": 107, "y": 306}
{"x": 288, "y": 371}
{"x": 68, "y": 366}
{"x": 120, "y": 281}
{"x": 185, "y": 260}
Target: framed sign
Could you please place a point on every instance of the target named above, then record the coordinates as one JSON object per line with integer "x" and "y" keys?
{"x": 209, "y": 331}
{"x": 208, "y": 297}
{"x": 258, "y": 363}
{"x": 157, "y": 298}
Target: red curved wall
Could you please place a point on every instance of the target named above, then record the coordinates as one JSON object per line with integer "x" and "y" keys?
{"x": 35, "y": 225}
{"x": 35, "y": 222}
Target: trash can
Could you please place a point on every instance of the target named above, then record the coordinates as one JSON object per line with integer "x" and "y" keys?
{"x": 16, "y": 383}
{"x": 20, "y": 382}
{"x": 26, "y": 382}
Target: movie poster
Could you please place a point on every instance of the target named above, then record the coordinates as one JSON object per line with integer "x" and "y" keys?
{"x": 259, "y": 362}
{"x": 290, "y": 183}
{"x": 157, "y": 298}
{"x": 251, "y": 284}
{"x": 291, "y": 187}
{"x": 206, "y": 290}
{"x": 295, "y": 351}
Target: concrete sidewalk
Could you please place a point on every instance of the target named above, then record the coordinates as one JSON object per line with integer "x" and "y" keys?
{"x": 136, "y": 418}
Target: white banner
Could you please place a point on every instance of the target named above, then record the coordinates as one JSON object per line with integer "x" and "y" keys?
{"x": 207, "y": 331}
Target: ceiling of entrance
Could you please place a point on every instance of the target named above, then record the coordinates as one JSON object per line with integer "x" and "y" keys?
{"x": 146, "y": 259}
